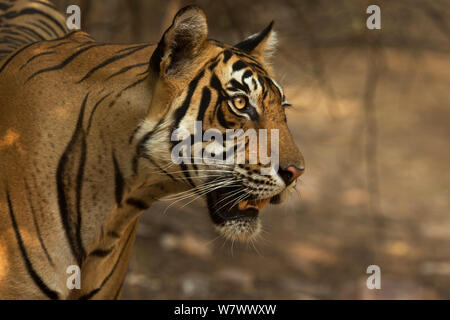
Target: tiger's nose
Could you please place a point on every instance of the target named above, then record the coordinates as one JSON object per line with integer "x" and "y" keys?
{"x": 290, "y": 173}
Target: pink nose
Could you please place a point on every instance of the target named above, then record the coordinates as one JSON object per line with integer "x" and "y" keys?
{"x": 290, "y": 174}
{"x": 295, "y": 172}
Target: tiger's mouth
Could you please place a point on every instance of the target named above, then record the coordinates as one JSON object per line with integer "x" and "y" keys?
{"x": 257, "y": 204}
{"x": 236, "y": 220}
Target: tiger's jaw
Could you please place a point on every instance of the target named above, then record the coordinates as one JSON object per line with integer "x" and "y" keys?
{"x": 235, "y": 220}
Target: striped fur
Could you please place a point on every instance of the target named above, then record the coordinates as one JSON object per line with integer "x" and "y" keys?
{"x": 24, "y": 21}
{"x": 85, "y": 145}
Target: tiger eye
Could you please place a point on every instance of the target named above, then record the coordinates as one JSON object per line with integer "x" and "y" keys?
{"x": 240, "y": 103}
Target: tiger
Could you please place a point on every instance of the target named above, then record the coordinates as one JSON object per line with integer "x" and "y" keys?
{"x": 86, "y": 143}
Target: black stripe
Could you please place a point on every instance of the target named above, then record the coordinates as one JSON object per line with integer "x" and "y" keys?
{"x": 185, "y": 170}
{"x": 133, "y": 47}
{"x": 181, "y": 111}
{"x": 97, "y": 290}
{"x": 13, "y": 47}
{"x": 217, "y": 85}
{"x": 65, "y": 62}
{"x": 204, "y": 103}
{"x": 27, "y": 30}
{"x": 42, "y": 28}
{"x": 135, "y": 131}
{"x": 144, "y": 72}
{"x": 137, "y": 203}
{"x": 79, "y": 188}
{"x": 254, "y": 116}
{"x": 60, "y": 44}
{"x": 258, "y": 68}
{"x": 9, "y": 31}
{"x": 255, "y": 85}
{"x": 262, "y": 83}
{"x": 125, "y": 89}
{"x": 135, "y": 164}
{"x": 141, "y": 151}
{"x": 116, "y": 296}
{"x": 18, "y": 34}
{"x": 214, "y": 64}
{"x": 119, "y": 181}
{"x": 221, "y": 94}
{"x": 125, "y": 69}
{"x": 4, "y": 6}
{"x": 36, "y": 224}
{"x": 247, "y": 74}
{"x": 153, "y": 162}
{"x": 8, "y": 39}
{"x": 31, "y": 11}
{"x": 102, "y": 253}
{"x": 232, "y": 89}
{"x": 37, "y": 56}
{"x": 239, "y": 65}
{"x": 36, "y": 278}
{"x": 23, "y": 39}
{"x": 73, "y": 236}
{"x": 48, "y": 27}
{"x": 252, "y": 61}
{"x": 236, "y": 84}
{"x": 113, "y": 234}
{"x": 227, "y": 54}
{"x": 67, "y": 35}
{"x": 109, "y": 61}
{"x": 223, "y": 122}
{"x": 134, "y": 84}
{"x": 94, "y": 109}
{"x": 14, "y": 55}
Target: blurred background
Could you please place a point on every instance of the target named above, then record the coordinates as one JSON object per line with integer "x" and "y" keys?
{"x": 371, "y": 116}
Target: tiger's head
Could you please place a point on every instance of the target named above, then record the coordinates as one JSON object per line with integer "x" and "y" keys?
{"x": 202, "y": 91}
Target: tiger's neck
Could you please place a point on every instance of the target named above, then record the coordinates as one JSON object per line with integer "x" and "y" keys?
{"x": 115, "y": 182}
{"x": 127, "y": 182}
{"x": 117, "y": 126}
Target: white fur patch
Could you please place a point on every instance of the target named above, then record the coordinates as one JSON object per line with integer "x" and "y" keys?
{"x": 240, "y": 229}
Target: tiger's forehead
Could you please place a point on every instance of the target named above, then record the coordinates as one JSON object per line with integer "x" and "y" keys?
{"x": 245, "y": 73}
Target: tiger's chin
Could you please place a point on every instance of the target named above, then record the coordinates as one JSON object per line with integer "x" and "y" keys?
{"x": 243, "y": 229}
{"x": 236, "y": 221}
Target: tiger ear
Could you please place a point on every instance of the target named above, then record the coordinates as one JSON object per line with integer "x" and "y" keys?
{"x": 181, "y": 42}
{"x": 260, "y": 44}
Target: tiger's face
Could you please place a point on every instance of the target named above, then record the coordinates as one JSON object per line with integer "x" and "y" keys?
{"x": 229, "y": 139}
